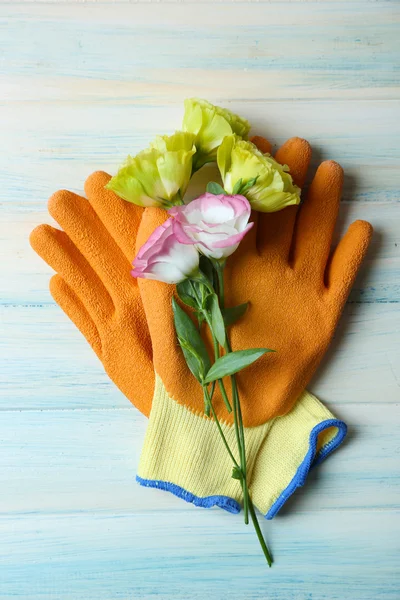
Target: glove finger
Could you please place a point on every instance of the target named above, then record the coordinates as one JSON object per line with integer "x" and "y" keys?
{"x": 262, "y": 144}
{"x": 168, "y": 359}
{"x": 120, "y": 218}
{"x": 69, "y": 302}
{"x": 296, "y": 154}
{"x": 58, "y": 251}
{"x": 316, "y": 220}
{"x": 346, "y": 260}
{"x": 275, "y": 230}
{"x": 78, "y": 219}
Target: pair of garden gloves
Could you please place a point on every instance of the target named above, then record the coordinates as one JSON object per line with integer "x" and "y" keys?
{"x": 296, "y": 288}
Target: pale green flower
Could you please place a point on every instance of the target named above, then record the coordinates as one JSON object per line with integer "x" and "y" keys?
{"x": 265, "y": 182}
{"x": 158, "y": 176}
{"x": 210, "y": 124}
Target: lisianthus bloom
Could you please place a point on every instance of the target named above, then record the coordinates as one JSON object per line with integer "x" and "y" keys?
{"x": 270, "y": 185}
{"x": 214, "y": 224}
{"x": 210, "y": 124}
{"x": 158, "y": 176}
{"x": 164, "y": 258}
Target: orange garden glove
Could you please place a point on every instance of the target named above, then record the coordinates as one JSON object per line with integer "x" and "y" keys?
{"x": 93, "y": 285}
{"x": 296, "y": 291}
{"x": 96, "y": 291}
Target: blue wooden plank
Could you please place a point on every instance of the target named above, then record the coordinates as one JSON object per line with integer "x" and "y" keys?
{"x": 64, "y": 143}
{"x": 336, "y": 555}
{"x": 345, "y": 48}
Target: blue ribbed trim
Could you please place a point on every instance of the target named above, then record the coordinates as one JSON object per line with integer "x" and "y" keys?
{"x": 310, "y": 460}
{"x": 222, "y": 501}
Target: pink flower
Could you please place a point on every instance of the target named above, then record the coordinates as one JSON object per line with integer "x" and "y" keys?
{"x": 214, "y": 224}
{"x": 164, "y": 258}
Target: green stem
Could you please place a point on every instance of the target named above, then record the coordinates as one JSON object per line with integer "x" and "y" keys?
{"x": 217, "y": 355}
{"x": 239, "y": 427}
{"x": 200, "y": 322}
{"x": 242, "y": 445}
{"x": 207, "y": 403}
{"x": 206, "y": 394}
{"x": 259, "y": 533}
{"x": 251, "y": 506}
{"x": 215, "y": 343}
{"x": 237, "y": 412}
{"x": 239, "y": 430}
{"x": 219, "y": 267}
{"x": 238, "y": 420}
{"x": 212, "y": 390}
{"x": 224, "y": 395}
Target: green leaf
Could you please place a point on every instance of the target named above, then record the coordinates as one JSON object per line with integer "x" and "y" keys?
{"x": 199, "y": 277}
{"x": 233, "y": 362}
{"x": 215, "y": 188}
{"x": 237, "y": 473}
{"x": 205, "y": 281}
{"x": 248, "y": 185}
{"x": 199, "y": 292}
{"x": 193, "y": 347}
{"x": 186, "y": 294}
{"x": 200, "y": 319}
{"x": 237, "y": 186}
{"x": 194, "y": 293}
{"x": 217, "y": 320}
{"x": 252, "y": 181}
{"x": 233, "y": 314}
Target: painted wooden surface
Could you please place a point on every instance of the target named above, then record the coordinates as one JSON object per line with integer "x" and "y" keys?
{"x": 84, "y": 83}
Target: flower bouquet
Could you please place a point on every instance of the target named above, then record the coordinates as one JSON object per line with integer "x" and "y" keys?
{"x": 232, "y": 301}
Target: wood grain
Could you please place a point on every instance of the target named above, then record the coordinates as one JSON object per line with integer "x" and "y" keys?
{"x": 60, "y": 142}
{"x": 193, "y": 554}
{"x": 84, "y": 83}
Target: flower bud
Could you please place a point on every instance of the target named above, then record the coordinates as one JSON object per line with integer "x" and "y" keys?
{"x": 164, "y": 258}
{"x": 214, "y": 224}
{"x": 210, "y": 124}
{"x": 266, "y": 183}
{"x": 158, "y": 176}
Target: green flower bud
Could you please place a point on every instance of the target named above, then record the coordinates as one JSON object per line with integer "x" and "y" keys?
{"x": 266, "y": 183}
{"x": 210, "y": 124}
{"x": 158, "y": 176}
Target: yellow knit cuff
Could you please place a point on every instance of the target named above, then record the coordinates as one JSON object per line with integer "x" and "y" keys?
{"x": 297, "y": 441}
{"x": 183, "y": 453}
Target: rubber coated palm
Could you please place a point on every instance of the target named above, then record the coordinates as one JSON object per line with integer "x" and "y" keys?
{"x": 92, "y": 257}
{"x": 296, "y": 291}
